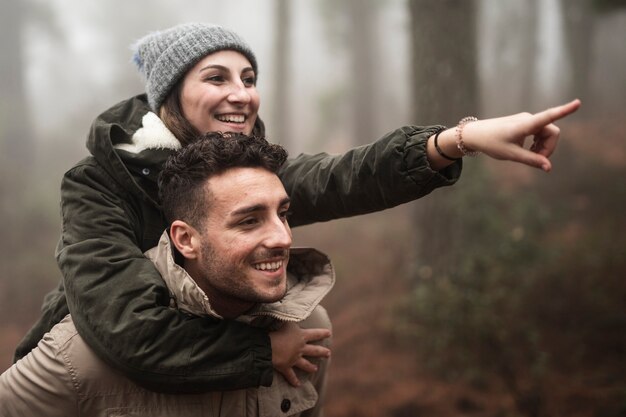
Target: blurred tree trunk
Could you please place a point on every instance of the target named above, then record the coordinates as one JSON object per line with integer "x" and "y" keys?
{"x": 280, "y": 101}
{"x": 16, "y": 171}
{"x": 130, "y": 26}
{"x": 528, "y": 54}
{"x": 364, "y": 48}
{"x": 509, "y": 77}
{"x": 444, "y": 67}
{"x": 16, "y": 138}
{"x": 353, "y": 29}
{"x": 445, "y": 89}
{"x": 579, "y": 18}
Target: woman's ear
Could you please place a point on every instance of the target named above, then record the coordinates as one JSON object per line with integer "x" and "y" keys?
{"x": 186, "y": 239}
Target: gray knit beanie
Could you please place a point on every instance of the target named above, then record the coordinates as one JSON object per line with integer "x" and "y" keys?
{"x": 164, "y": 57}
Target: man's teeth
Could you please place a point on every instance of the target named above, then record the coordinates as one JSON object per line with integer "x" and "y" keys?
{"x": 232, "y": 118}
{"x": 268, "y": 266}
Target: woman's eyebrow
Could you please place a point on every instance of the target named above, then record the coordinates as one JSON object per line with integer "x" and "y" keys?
{"x": 214, "y": 66}
{"x": 223, "y": 68}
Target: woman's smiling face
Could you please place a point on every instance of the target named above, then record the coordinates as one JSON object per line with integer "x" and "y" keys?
{"x": 219, "y": 94}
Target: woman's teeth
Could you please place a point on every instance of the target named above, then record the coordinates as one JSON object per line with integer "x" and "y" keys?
{"x": 232, "y": 118}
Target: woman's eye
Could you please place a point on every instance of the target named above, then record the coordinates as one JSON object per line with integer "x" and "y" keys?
{"x": 215, "y": 78}
{"x": 249, "y": 81}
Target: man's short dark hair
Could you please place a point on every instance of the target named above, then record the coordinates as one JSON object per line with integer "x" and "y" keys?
{"x": 181, "y": 183}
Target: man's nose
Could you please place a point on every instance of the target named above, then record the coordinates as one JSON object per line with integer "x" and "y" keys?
{"x": 279, "y": 236}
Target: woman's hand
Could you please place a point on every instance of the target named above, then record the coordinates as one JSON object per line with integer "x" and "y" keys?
{"x": 504, "y": 138}
{"x": 291, "y": 346}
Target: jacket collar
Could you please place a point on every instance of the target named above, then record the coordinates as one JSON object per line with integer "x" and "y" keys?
{"x": 310, "y": 277}
{"x": 117, "y": 126}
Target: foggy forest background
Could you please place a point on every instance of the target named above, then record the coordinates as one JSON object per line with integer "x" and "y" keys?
{"x": 501, "y": 296}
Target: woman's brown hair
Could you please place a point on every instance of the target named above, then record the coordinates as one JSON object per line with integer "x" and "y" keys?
{"x": 171, "y": 113}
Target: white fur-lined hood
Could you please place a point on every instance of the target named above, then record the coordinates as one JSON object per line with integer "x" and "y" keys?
{"x": 153, "y": 134}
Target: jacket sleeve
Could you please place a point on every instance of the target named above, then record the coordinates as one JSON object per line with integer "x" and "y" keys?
{"x": 120, "y": 304}
{"x": 38, "y": 385}
{"x": 389, "y": 172}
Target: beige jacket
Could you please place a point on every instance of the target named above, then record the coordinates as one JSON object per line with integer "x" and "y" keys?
{"x": 63, "y": 377}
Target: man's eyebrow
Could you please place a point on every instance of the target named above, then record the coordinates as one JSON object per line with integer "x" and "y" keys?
{"x": 257, "y": 207}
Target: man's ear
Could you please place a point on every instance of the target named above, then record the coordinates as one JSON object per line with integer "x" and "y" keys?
{"x": 186, "y": 239}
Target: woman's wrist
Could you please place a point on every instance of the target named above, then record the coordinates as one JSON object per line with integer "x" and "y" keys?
{"x": 445, "y": 152}
{"x": 439, "y": 149}
{"x": 461, "y": 144}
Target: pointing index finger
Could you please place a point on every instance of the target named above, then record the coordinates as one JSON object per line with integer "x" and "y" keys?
{"x": 553, "y": 114}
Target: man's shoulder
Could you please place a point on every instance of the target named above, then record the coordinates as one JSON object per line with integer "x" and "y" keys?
{"x": 90, "y": 375}
{"x": 68, "y": 343}
{"x": 306, "y": 260}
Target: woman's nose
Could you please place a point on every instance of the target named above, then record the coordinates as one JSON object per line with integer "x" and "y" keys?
{"x": 239, "y": 93}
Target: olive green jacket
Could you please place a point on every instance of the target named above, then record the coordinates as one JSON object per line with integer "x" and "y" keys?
{"x": 111, "y": 215}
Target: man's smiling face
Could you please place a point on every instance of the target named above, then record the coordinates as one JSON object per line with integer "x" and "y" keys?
{"x": 245, "y": 240}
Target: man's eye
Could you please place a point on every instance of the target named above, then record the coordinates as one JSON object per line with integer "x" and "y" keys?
{"x": 284, "y": 215}
{"x": 249, "y": 222}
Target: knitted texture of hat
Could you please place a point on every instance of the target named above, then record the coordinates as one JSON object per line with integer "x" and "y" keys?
{"x": 164, "y": 57}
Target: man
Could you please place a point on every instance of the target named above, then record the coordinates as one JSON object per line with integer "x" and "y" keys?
{"x": 225, "y": 257}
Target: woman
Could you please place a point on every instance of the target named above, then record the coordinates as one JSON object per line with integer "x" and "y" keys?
{"x": 202, "y": 78}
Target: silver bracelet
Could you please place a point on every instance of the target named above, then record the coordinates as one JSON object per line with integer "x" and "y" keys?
{"x": 459, "y": 136}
